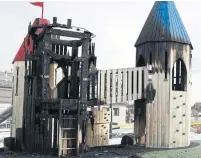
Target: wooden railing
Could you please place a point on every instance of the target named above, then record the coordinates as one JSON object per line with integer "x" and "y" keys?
{"x": 121, "y": 85}
{"x": 118, "y": 85}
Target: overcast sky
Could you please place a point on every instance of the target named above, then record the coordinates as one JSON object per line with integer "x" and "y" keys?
{"x": 116, "y": 25}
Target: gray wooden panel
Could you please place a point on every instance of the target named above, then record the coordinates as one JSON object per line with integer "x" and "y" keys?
{"x": 145, "y": 80}
{"x": 125, "y": 85}
{"x": 135, "y": 84}
{"x": 119, "y": 85}
{"x": 129, "y": 84}
{"x": 140, "y": 84}
{"x": 114, "y": 86}
{"x": 99, "y": 86}
{"x": 108, "y": 97}
{"x": 102, "y": 87}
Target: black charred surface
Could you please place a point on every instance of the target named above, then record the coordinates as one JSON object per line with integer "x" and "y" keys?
{"x": 40, "y": 108}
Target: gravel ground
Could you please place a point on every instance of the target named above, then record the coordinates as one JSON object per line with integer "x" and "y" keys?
{"x": 193, "y": 151}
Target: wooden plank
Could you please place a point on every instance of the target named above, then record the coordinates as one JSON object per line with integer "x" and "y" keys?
{"x": 52, "y": 76}
{"x": 145, "y": 70}
{"x": 181, "y": 120}
{"x": 161, "y": 100}
{"x": 129, "y": 84}
{"x": 108, "y": 97}
{"x": 50, "y": 134}
{"x": 148, "y": 125}
{"x": 166, "y": 98}
{"x": 139, "y": 95}
{"x": 114, "y": 85}
{"x": 171, "y": 102}
{"x": 103, "y": 72}
{"x": 135, "y": 84}
{"x": 60, "y": 132}
{"x": 69, "y": 33}
{"x": 65, "y": 42}
{"x": 173, "y": 129}
{"x": 186, "y": 120}
{"x": 93, "y": 87}
{"x": 156, "y": 129}
{"x": 119, "y": 85}
{"x": 125, "y": 85}
{"x": 99, "y": 87}
{"x": 45, "y": 135}
{"x": 61, "y": 51}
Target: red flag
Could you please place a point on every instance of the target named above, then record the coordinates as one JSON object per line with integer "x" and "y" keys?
{"x": 39, "y": 4}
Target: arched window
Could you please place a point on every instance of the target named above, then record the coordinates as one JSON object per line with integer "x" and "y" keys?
{"x": 179, "y": 76}
{"x": 141, "y": 62}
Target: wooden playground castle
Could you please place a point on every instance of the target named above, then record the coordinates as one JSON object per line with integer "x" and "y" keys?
{"x": 61, "y": 119}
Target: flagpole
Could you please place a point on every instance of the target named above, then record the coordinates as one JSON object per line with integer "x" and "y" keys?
{"x": 39, "y": 4}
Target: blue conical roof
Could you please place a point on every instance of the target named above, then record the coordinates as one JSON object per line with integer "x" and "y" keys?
{"x": 163, "y": 25}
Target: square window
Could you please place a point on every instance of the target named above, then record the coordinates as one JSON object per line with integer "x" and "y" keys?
{"x": 116, "y": 111}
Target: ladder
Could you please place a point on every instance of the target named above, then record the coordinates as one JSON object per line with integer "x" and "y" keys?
{"x": 67, "y": 132}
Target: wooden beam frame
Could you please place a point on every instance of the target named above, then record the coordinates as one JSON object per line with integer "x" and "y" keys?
{"x": 69, "y": 33}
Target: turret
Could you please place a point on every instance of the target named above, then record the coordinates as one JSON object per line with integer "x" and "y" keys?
{"x": 164, "y": 46}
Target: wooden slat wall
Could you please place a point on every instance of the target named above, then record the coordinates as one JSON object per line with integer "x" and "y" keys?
{"x": 17, "y": 112}
{"x": 122, "y": 84}
{"x": 122, "y": 87}
{"x": 168, "y": 116}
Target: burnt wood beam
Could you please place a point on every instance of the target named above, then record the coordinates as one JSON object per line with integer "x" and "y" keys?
{"x": 74, "y": 77}
{"x": 84, "y": 71}
{"x": 56, "y": 56}
{"x": 66, "y": 43}
{"x": 62, "y": 59}
{"x": 32, "y": 29}
{"x": 69, "y": 33}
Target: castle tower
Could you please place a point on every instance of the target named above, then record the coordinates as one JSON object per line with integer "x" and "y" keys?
{"x": 164, "y": 46}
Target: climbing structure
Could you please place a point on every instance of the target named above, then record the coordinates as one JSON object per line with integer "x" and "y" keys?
{"x": 56, "y": 116}
{"x": 164, "y": 46}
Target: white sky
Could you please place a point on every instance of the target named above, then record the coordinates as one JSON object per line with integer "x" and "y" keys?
{"x": 116, "y": 25}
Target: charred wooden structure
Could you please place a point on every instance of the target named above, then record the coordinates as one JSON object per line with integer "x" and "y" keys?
{"x": 57, "y": 125}
{"x": 55, "y": 118}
